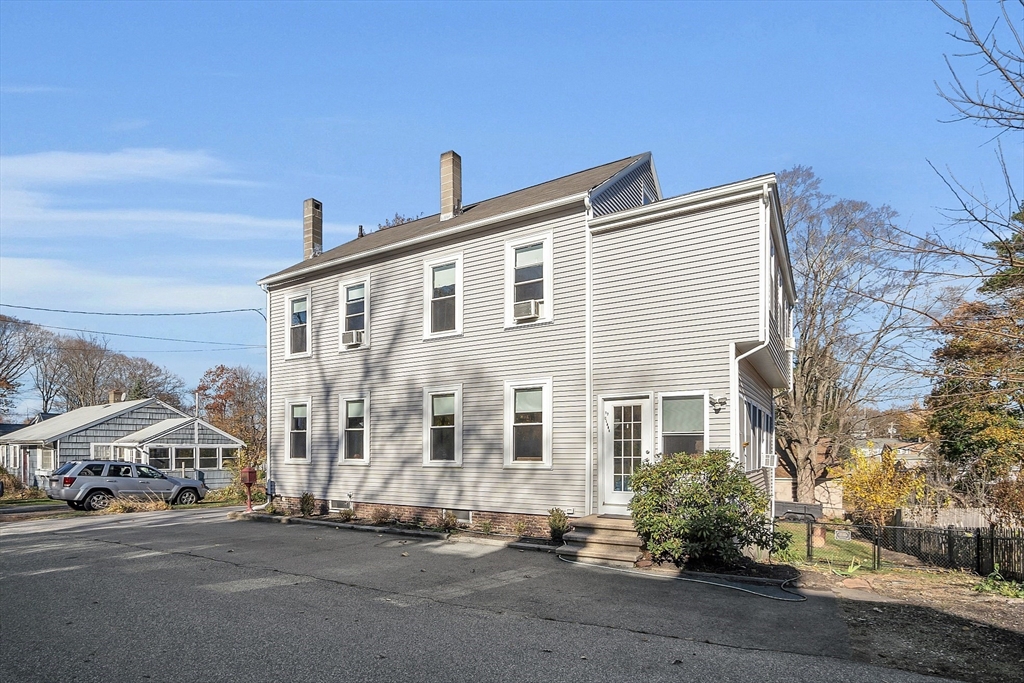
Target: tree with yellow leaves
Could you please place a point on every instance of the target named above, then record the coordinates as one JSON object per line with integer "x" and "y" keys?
{"x": 875, "y": 487}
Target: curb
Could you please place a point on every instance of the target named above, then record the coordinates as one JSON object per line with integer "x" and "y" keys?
{"x": 757, "y": 580}
{"x": 537, "y": 547}
{"x": 258, "y": 517}
{"x": 22, "y": 509}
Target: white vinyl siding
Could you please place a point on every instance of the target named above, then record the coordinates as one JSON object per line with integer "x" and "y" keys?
{"x": 402, "y": 364}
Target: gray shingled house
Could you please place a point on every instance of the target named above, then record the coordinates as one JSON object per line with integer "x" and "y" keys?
{"x": 145, "y": 431}
{"x": 504, "y": 357}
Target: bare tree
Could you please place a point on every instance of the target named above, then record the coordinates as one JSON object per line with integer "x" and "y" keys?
{"x": 88, "y": 364}
{"x": 854, "y": 321}
{"x": 397, "y": 220}
{"x": 141, "y": 378}
{"x": 48, "y": 370}
{"x": 235, "y": 400}
{"x": 18, "y": 338}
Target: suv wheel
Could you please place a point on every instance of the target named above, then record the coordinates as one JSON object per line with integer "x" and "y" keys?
{"x": 187, "y": 497}
{"x": 100, "y": 500}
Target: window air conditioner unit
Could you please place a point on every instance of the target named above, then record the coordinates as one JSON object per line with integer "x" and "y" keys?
{"x": 352, "y": 338}
{"x": 790, "y": 343}
{"x": 526, "y": 310}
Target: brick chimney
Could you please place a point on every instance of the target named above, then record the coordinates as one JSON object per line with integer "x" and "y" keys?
{"x": 451, "y": 185}
{"x": 312, "y": 228}
{"x": 115, "y": 396}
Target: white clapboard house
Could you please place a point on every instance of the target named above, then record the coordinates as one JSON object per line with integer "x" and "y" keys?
{"x": 525, "y": 352}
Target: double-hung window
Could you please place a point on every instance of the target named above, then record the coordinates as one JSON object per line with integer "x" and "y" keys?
{"x": 442, "y": 426}
{"x": 298, "y": 430}
{"x": 355, "y": 313}
{"x": 297, "y": 337}
{"x": 442, "y": 310}
{"x": 758, "y": 437}
{"x": 355, "y": 428}
{"x": 529, "y": 281}
{"x": 683, "y": 423}
{"x": 528, "y": 423}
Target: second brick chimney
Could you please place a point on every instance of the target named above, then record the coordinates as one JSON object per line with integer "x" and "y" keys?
{"x": 451, "y": 185}
{"x": 312, "y": 228}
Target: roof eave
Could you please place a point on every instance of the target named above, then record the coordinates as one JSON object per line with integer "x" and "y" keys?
{"x": 472, "y": 225}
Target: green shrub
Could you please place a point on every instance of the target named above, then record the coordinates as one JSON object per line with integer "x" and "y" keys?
{"x": 486, "y": 526}
{"x": 995, "y": 583}
{"x": 381, "y": 515}
{"x": 558, "y": 522}
{"x": 345, "y": 514}
{"x": 306, "y": 504}
{"x": 701, "y": 510}
{"x": 519, "y": 527}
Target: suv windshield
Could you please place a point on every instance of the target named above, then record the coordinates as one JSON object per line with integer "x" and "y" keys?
{"x": 65, "y": 468}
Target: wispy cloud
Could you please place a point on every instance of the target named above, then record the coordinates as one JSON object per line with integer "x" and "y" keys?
{"x": 32, "y": 89}
{"x": 67, "y": 168}
{"x": 39, "y": 282}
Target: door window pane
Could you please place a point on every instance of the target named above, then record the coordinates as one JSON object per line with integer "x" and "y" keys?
{"x": 528, "y": 425}
{"x": 627, "y": 442}
{"x": 298, "y": 325}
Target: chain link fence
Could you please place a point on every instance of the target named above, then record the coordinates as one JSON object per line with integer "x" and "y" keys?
{"x": 847, "y": 546}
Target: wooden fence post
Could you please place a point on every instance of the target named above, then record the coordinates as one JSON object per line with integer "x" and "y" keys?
{"x": 810, "y": 541}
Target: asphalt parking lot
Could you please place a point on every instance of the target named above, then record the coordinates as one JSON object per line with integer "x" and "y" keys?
{"x": 192, "y": 596}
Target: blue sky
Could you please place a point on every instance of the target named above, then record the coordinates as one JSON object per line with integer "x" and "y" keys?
{"x": 154, "y": 157}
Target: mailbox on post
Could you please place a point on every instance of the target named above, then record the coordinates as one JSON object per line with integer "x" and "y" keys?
{"x": 248, "y": 477}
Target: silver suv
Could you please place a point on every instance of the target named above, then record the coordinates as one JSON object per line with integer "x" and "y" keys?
{"x": 91, "y": 484}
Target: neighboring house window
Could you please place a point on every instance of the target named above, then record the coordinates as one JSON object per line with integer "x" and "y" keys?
{"x": 443, "y": 296}
{"x": 355, "y": 313}
{"x": 228, "y": 457}
{"x": 184, "y": 457}
{"x": 46, "y": 459}
{"x": 528, "y": 423}
{"x": 298, "y": 325}
{"x": 442, "y": 419}
{"x": 102, "y": 451}
{"x": 160, "y": 457}
{"x": 207, "y": 458}
{"x": 298, "y": 431}
{"x": 355, "y": 430}
{"x": 683, "y": 423}
{"x": 529, "y": 281}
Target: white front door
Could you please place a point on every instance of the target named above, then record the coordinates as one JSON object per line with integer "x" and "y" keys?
{"x": 627, "y": 431}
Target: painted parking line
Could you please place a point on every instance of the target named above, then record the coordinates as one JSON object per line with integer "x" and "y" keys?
{"x": 480, "y": 584}
{"x": 242, "y": 585}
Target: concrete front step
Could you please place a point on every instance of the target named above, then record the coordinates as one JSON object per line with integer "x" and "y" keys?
{"x": 603, "y": 536}
{"x": 602, "y": 540}
{"x": 600, "y": 553}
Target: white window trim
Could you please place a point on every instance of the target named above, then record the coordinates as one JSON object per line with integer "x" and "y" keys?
{"x": 428, "y": 290}
{"x": 92, "y": 451}
{"x": 546, "y": 384}
{"x": 308, "y": 402}
{"x": 706, "y": 395}
{"x": 289, "y": 298}
{"x": 549, "y": 278}
{"x": 365, "y": 460}
{"x": 150, "y": 447}
{"x": 428, "y": 414}
{"x": 342, "y": 305}
{"x": 220, "y": 455}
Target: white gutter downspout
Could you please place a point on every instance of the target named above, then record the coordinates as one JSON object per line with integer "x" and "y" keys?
{"x": 270, "y": 411}
{"x": 589, "y": 357}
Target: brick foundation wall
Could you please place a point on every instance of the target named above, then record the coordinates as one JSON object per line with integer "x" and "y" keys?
{"x": 509, "y": 524}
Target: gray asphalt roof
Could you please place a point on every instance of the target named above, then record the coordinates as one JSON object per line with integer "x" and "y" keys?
{"x": 565, "y": 186}
{"x": 154, "y": 430}
{"x": 70, "y": 422}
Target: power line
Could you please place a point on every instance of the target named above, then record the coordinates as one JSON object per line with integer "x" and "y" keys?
{"x": 148, "y": 315}
{"x": 138, "y": 336}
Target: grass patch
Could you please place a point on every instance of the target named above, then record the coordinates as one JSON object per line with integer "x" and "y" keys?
{"x": 834, "y": 552}
{"x": 133, "y": 504}
{"x": 995, "y": 583}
